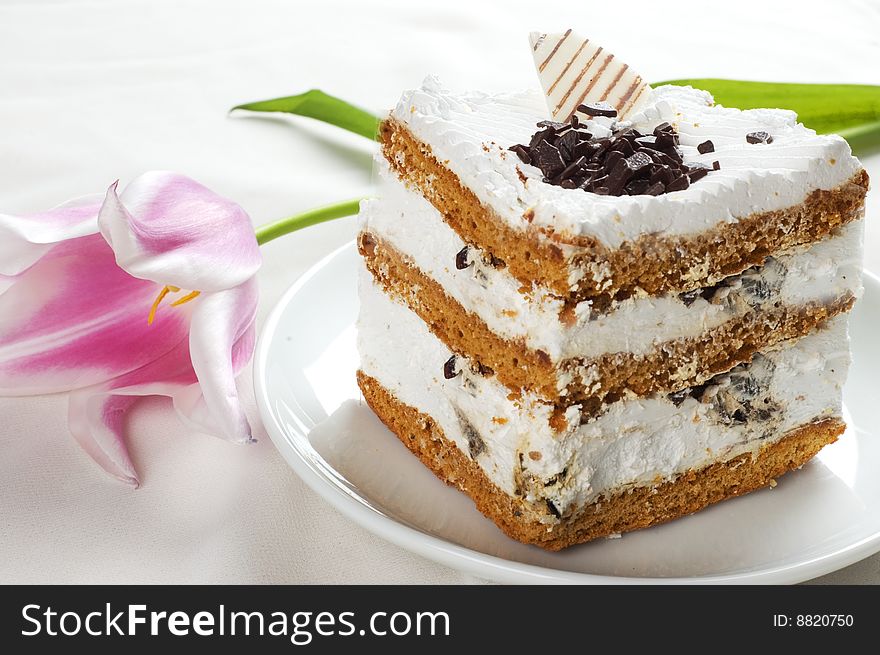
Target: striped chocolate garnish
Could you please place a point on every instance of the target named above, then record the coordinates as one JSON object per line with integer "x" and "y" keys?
{"x": 574, "y": 71}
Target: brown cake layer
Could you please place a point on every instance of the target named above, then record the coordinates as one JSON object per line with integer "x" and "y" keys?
{"x": 655, "y": 264}
{"x": 671, "y": 366}
{"x": 622, "y": 512}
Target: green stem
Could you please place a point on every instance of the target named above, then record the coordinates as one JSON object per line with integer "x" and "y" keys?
{"x": 266, "y": 233}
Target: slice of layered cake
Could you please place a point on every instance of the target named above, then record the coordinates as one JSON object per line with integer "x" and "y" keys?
{"x": 606, "y": 306}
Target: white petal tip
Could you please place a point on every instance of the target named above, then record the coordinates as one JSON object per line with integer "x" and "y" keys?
{"x": 126, "y": 476}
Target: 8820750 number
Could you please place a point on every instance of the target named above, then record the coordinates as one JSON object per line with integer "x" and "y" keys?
{"x": 824, "y": 620}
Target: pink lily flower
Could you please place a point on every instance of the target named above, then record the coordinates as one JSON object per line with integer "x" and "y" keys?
{"x": 147, "y": 292}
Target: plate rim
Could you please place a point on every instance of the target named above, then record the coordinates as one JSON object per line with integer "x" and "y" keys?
{"x": 474, "y": 562}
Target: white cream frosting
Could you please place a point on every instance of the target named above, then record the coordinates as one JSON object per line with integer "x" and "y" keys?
{"x": 470, "y": 133}
{"x": 637, "y": 441}
{"x": 812, "y": 274}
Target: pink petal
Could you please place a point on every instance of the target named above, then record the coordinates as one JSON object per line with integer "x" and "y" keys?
{"x": 95, "y": 419}
{"x": 96, "y": 413}
{"x": 221, "y": 343}
{"x": 6, "y": 281}
{"x": 194, "y": 411}
{"x": 24, "y": 239}
{"x": 199, "y": 372}
{"x": 172, "y": 230}
{"x": 75, "y": 319}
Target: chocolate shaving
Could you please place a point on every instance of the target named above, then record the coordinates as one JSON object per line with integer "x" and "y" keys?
{"x": 625, "y": 163}
{"x": 698, "y": 172}
{"x": 598, "y": 109}
{"x": 553, "y": 125}
{"x": 449, "y": 368}
{"x": 539, "y": 136}
{"x": 484, "y": 370}
{"x": 688, "y": 297}
{"x": 705, "y": 147}
{"x": 678, "y": 184}
{"x": 566, "y": 143}
{"x": 522, "y": 153}
{"x": 759, "y": 137}
{"x": 548, "y": 158}
{"x": 461, "y": 259}
{"x": 637, "y": 162}
{"x": 493, "y": 261}
{"x": 637, "y": 187}
{"x": 678, "y": 397}
{"x": 655, "y": 189}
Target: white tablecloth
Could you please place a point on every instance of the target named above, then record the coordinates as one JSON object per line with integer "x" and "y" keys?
{"x": 94, "y": 90}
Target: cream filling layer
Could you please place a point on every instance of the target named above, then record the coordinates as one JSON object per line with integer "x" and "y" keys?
{"x": 471, "y": 132}
{"x": 819, "y": 273}
{"x": 635, "y": 442}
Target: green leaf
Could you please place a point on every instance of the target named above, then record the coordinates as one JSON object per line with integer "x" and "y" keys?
{"x": 851, "y": 110}
{"x": 863, "y": 138}
{"x": 323, "y": 107}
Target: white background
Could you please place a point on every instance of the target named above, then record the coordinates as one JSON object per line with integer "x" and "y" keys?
{"x": 94, "y": 90}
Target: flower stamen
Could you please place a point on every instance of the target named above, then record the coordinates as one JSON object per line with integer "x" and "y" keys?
{"x": 158, "y": 301}
{"x": 192, "y": 295}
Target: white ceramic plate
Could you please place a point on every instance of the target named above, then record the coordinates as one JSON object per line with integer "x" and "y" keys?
{"x": 816, "y": 520}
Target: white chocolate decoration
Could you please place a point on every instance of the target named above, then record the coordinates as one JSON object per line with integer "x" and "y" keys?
{"x": 574, "y": 71}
